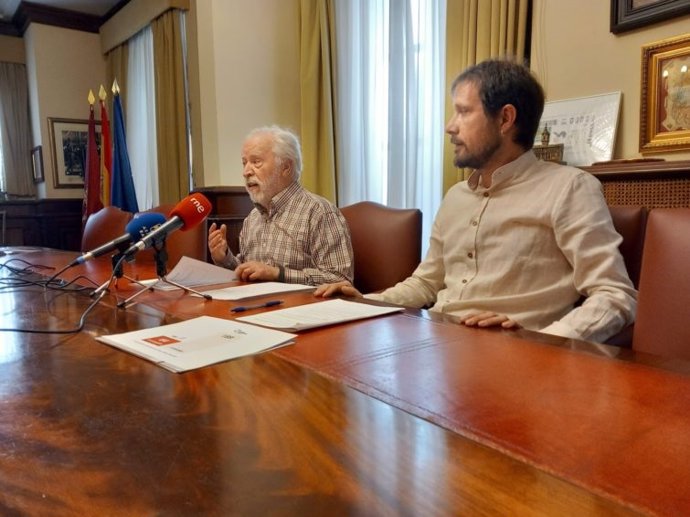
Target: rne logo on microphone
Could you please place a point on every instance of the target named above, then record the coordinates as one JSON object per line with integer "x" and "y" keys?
{"x": 199, "y": 207}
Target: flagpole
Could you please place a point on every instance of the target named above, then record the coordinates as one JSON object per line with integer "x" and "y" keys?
{"x": 92, "y": 176}
{"x": 106, "y": 150}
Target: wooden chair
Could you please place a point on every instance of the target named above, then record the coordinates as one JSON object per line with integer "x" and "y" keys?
{"x": 103, "y": 226}
{"x": 662, "y": 326}
{"x": 387, "y": 243}
{"x": 190, "y": 243}
{"x": 631, "y": 222}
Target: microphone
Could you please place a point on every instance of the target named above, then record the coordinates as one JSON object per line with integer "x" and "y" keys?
{"x": 139, "y": 226}
{"x": 187, "y": 214}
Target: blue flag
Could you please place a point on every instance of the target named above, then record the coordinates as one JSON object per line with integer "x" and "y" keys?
{"x": 123, "y": 194}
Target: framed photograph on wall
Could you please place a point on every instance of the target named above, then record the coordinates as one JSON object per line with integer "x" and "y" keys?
{"x": 68, "y": 139}
{"x": 633, "y": 14}
{"x": 37, "y": 164}
{"x": 665, "y": 96}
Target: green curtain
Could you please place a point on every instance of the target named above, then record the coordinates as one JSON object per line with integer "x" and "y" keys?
{"x": 317, "y": 83}
{"x": 171, "y": 113}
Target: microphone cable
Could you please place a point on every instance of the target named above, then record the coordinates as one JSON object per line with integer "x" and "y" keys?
{"x": 7, "y": 284}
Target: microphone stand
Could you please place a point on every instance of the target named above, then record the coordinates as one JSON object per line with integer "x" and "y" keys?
{"x": 118, "y": 261}
{"x": 161, "y": 257}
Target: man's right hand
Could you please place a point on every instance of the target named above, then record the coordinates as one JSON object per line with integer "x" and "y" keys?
{"x": 217, "y": 242}
{"x": 344, "y": 287}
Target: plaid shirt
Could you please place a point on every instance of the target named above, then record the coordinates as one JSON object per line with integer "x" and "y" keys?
{"x": 303, "y": 232}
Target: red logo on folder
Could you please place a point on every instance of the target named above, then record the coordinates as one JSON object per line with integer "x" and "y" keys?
{"x": 162, "y": 340}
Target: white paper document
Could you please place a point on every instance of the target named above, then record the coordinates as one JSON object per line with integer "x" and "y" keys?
{"x": 318, "y": 315}
{"x": 191, "y": 272}
{"x": 241, "y": 292}
{"x": 198, "y": 342}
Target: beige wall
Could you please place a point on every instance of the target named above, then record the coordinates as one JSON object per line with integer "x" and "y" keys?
{"x": 248, "y": 77}
{"x": 575, "y": 55}
{"x": 62, "y": 65}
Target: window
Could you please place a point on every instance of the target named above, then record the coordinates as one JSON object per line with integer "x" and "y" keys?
{"x": 390, "y": 76}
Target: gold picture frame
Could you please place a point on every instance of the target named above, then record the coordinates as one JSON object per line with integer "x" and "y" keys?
{"x": 665, "y": 96}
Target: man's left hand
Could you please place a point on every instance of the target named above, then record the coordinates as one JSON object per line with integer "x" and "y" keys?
{"x": 254, "y": 271}
{"x": 489, "y": 319}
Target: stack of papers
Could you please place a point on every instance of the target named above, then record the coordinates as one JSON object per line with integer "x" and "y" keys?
{"x": 318, "y": 315}
{"x": 198, "y": 342}
{"x": 241, "y": 292}
{"x": 191, "y": 272}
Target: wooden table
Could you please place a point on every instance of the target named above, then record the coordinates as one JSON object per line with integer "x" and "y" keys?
{"x": 408, "y": 414}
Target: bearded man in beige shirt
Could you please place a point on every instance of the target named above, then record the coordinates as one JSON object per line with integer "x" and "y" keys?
{"x": 522, "y": 241}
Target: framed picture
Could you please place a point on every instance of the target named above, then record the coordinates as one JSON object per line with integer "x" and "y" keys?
{"x": 68, "y": 138}
{"x": 632, "y": 14}
{"x": 586, "y": 126}
{"x": 665, "y": 96}
{"x": 37, "y": 164}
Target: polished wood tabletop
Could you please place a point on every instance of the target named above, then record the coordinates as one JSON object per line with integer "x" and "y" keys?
{"x": 407, "y": 414}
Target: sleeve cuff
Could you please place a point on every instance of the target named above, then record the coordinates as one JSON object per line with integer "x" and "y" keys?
{"x": 558, "y": 328}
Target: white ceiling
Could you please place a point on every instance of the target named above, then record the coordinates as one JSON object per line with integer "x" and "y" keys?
{"x": 95, "y": 7}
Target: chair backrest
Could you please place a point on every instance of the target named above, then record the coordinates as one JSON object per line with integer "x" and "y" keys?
{"x": 190, "y": 243}
{"x": 661, "y": 326}
{"x": 630, "y": 222}
{"x": 104, "y": 226}
{"x": 387, "y": 243}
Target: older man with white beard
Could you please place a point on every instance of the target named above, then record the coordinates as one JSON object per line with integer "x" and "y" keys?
{"x": 292, "y": 235}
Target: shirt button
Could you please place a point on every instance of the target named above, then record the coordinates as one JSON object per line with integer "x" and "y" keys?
{"x": 486, "y": 194}
{"x": 470, "y": 254}
{"x": 464, "y": 280}
{"x": 474, "y": 223}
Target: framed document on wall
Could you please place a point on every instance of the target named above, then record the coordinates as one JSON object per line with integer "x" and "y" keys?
{"x": 586, "y": 126}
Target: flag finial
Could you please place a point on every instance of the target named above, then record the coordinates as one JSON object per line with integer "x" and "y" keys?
{"x": 91, "y": 97}
{"x": 102, "y": 93}
{"x": 116, "y": 87}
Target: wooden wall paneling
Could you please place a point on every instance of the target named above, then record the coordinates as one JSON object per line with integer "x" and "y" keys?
{"x": 53, "y": 223}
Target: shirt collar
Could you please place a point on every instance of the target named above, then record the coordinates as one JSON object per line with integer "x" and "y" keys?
{"x": 505, "y": 172}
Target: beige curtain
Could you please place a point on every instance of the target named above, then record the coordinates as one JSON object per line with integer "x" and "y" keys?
{"x": 171, "y": 119}
{"x": 317, "y": 81}
{"x": 478, "y": 30}
{"x": 15, "y": 131}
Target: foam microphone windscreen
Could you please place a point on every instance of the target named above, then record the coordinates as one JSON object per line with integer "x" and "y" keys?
{"x": 192, "y": 210}
{"x": 143, "y": 224}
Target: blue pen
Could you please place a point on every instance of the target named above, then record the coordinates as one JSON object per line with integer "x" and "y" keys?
{"x": 243, "y": 308}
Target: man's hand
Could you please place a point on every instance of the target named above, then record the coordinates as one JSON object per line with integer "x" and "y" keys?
{"x": 343, "y": 287}
{"x": 489, "y": 319}
{"x": 217, "y": 242}
{"x": 254, "y": 271}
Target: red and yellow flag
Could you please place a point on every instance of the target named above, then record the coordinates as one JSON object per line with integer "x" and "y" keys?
{"x": 106, "y": 151}
{"x": 92, "y": 176}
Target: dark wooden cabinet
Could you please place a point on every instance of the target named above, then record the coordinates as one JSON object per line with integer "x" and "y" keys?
{"x": 53, "y": 223}
{"x": 648, "y": 183}
{"x": 230, "y": 206}
{"x": 56, "y": 223}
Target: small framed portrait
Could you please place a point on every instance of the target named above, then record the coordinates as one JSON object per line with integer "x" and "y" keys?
{"x": 68, "y": 138}
{"x": 37, "y": 164}
{"x": 665, "y": 96}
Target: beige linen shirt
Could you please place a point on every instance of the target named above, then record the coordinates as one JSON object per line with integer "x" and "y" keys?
{"x": 529, "y": 246}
